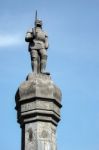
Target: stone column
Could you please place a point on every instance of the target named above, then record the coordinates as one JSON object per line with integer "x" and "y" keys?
{"x": 38, "y": 103}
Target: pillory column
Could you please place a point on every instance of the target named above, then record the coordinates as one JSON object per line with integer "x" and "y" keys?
{"x": 38, "y": 99}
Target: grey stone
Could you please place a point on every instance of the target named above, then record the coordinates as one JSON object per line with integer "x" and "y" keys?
{"x": 39, "y": 85}
{"x": 38, "y": 103}
{"x": 38, "y": 99}
{"x": 43, "y": 136}
{"x": 38, "y": 45}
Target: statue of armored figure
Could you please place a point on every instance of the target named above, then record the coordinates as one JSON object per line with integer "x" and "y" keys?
{"x": 38, "y": 45}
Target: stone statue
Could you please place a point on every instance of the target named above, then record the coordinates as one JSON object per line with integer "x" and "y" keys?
{"x": 38, "y": 45}
{"x": 38, "y": 99}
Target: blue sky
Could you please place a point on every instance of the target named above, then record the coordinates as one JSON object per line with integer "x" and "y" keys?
{"x": 73, "y": 61}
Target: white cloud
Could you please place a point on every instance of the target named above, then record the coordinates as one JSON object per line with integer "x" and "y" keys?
{"x": 10, "y": 40}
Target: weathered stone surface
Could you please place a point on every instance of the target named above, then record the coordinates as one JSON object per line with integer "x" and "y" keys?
{"x": 38, "y": 103}
{"x": 38, "y": 45}
{"x": 40, "y": 136}
{"x": 38, "y": 85}
{"x": 38, "y": 98}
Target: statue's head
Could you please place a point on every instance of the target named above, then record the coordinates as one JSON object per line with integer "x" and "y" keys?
{"x": 38, "y": 23}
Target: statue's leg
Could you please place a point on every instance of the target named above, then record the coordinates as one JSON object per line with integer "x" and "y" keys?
{"x": 34, "y": 60}
{"x": 43, "y": 60}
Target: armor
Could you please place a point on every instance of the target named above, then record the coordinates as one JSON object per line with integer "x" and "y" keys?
{"x": 38, "y": 45}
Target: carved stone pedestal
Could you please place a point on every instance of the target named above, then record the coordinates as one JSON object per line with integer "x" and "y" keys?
{"x": 38, "y": 103}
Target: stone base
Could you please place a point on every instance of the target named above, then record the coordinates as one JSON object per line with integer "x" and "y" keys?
{"x": 38, "y": 103}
